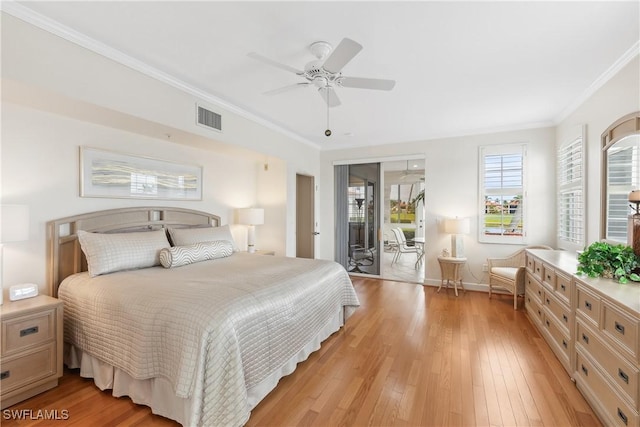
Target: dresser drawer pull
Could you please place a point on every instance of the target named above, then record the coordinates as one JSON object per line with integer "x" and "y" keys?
{"x": 585, "y": 338}
{"x": 548, "y": 301}
{"x": 622, "y": 416}
{"x": 565, "y": 318}
{"x": 29, "y": 331}
{"x": 587, "y": 304}
{"x": 539, "y": 292}
{"x": 619, "y": 328}
{"x": 548, "y": 277}
{"x": 5, "y": 375}
{"x": 623, "y": 375}
{"x": 539, "y": 314}
{"x": 548, "y": 325}
{"x": 585, "y": 370}
{"x": 563, "y": 287}
{"x": 564, "y": 343}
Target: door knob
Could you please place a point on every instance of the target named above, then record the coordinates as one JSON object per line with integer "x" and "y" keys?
{"x": 315, "y": 233}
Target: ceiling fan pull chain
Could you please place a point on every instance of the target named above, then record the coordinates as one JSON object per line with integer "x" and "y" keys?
{"x": 327, "y": 132}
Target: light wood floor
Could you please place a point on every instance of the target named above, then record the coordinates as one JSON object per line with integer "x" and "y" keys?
{"x": 408, "y": 357}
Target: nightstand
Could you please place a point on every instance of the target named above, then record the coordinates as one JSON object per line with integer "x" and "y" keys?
{"x": 30, "y": 347}
{"x": 450, "y": 269}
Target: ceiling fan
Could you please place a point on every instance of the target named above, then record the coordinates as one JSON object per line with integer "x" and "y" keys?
{"x": 325, "y": 73}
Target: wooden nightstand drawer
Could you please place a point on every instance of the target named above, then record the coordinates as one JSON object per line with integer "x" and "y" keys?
{"x": 31, "y": 347}
{"x": 620, "y": 370}
{"x": 26, "y": 331}
{"x": 24, "y": 369}
{"x": 621, "y": 328}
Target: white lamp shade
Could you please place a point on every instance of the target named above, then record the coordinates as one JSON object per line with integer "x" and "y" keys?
{"x": 250, "y": 216}
{"x": 14, "y": 222}
{"x": 457, "y": 226}
{"x": 634, "y": 196}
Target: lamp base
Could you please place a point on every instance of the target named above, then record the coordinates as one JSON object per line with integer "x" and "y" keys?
{"x": 251, "y": 249}
{"x": 457, "y": 246}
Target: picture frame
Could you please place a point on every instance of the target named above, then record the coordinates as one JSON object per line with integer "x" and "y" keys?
{"x": 110, "y": 174}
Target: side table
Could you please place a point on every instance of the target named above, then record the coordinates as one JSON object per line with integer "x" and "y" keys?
{"x": 450, "y": 270}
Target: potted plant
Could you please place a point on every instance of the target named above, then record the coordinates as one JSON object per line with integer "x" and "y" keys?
{"x": 602, "y": 259}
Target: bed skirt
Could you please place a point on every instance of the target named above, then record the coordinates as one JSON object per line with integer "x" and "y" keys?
{"x": 158, "y": 394}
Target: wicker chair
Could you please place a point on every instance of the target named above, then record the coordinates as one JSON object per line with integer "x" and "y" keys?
{"x": 508, "y": 273}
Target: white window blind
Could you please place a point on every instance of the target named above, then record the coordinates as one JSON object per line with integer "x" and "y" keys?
{"x": 623, "y": 176}
{"x": 570, "y": 190}
{"x": 502, "y": 194}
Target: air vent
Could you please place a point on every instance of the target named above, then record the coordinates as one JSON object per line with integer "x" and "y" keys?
{"x": 209, "y": 119}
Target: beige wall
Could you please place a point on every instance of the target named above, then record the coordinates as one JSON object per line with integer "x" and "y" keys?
{"x": 57, "y": 96}
{"x": 451, "y": 189}
{"x": 618, "y": 97}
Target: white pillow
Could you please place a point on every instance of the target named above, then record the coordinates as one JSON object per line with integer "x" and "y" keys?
{"x": 108, "y": 253}
{"x": 189, "y": 236}
{"x": 177, "y": 256}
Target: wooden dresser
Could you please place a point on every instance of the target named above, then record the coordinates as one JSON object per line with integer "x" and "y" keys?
{"x": 31, "y": 347}
{"x": 593, "y": 327}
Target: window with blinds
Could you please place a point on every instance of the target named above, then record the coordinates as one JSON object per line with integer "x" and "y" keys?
{"x": 623, "y": 176}
{"x": 571, "y": 191}
{"x": 502, "y": 194}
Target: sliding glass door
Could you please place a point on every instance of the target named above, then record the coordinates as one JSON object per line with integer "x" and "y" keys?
{"x": 357, "y": 222}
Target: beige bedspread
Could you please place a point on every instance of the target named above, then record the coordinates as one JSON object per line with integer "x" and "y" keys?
{"x": 214, "y": 329}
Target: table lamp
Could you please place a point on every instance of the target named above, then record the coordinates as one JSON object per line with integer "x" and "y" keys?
{"x": 15, "y": 228}
{"x": 251, "y": 217}
{"x": 456, "y": 227}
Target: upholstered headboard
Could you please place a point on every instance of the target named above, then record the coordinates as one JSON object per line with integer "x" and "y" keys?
{"x": 64, "y": 256}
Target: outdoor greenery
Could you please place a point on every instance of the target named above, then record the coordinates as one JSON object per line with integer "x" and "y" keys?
{"x": 603, "y": 259}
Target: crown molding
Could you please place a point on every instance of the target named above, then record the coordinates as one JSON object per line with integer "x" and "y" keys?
{"x": 47, "y": 24}
{"x": 609, "y": 73}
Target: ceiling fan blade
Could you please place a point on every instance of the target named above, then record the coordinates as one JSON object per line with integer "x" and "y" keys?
{"x": 364, "y": 83}
{"x": 285, "y": 88}
{"x": 342, "y": 54}
{"x": 274, "y": 63}
{"x": 330, "y": 96}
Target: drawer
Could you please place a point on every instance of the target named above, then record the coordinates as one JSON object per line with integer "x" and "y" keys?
{"x": 621, "y": 328}
{"x": 538, "y": 268}
{"x": 558, "y": 310}
{"x": 549, "y": 276}
{"x": 563, "y": 287}
{"x": 23, "y": 332}
{"x": 534, "y": 287}
{"x": 560, "y": 340}
{"x": 533, "y": 306}
{"x": 620, "y": 371}
{"x": 615, "y": 408}
{"x": 25, "y": 369}
{"x": 530, "y": 263}
{"x": 588, "y": 304}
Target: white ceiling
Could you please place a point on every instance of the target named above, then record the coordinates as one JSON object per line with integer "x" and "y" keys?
{"x": 460, "y": 67}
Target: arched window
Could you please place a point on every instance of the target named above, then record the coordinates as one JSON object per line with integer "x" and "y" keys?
{"x": 620, "y": 175}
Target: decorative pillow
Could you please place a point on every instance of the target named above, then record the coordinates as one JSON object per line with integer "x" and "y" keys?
{"x": 189, "y": 236}
{"x": 108, "y": 253}
{"x": 177, "y": 256}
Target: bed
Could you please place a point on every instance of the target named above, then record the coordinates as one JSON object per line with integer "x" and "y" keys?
{"x": 201, "y": 338}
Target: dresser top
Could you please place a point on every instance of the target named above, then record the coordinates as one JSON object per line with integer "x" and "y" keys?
{"x": 626, "y": 295}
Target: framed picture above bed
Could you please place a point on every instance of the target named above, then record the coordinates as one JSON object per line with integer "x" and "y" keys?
{"x": 118, "y": 175}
